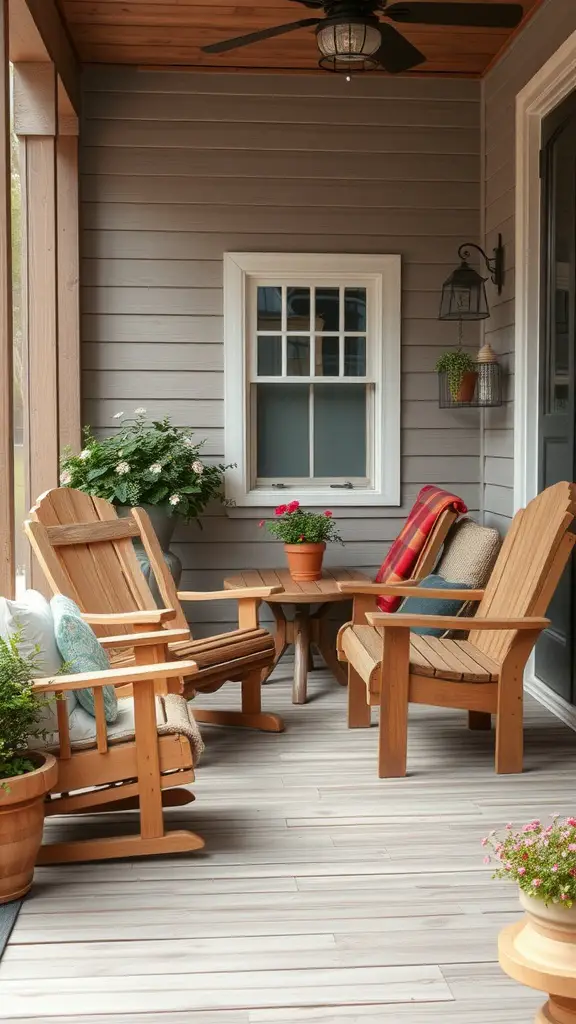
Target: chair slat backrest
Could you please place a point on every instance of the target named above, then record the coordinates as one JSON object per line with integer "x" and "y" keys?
{"x": 86, "y": 552}
{"x": 531, "y": 561}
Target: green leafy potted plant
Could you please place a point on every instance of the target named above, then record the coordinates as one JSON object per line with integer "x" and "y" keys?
{"x": 304, "y": 535}
{"x": 541, "y": 860}
{"x": 461, "y": 374}
{"x": 152, "y": 465}
{"x": 25, "y": 776}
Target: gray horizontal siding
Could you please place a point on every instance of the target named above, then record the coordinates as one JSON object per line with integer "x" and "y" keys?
{"x": 552, "y": 24}
{"x": 333, "y": 88}
{"x": 178, "y": 169}
{"x": 144, "y": 162}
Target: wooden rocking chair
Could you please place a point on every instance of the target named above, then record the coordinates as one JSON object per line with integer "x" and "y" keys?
{"x": 85, "y": 551}
{"x": 135, "y": 773}
{"x": 390, "y": 667}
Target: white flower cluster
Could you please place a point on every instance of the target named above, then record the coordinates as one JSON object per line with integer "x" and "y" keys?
{"x": 175, "y": 499}
{"x": 197, "y": 468}
{"x": 122, "y": 468}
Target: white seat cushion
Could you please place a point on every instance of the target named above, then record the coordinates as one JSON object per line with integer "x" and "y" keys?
{"x": 31, "y": 615}
{"x": 83, "y": 726}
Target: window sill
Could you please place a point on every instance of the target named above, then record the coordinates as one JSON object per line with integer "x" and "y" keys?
{"x": 337, "y": 498}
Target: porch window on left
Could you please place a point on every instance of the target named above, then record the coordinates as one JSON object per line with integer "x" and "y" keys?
{"x": 312, "y": 377}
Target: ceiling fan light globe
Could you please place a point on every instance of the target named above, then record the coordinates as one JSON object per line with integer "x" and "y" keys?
{"x": 350, "y": 41}
{"x": 346, "y": 65}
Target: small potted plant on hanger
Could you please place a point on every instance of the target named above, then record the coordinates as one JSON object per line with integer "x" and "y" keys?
{"x": 26, "y": 776}
{"x": 305, "y": 535}
{"x": 461, "y": 374}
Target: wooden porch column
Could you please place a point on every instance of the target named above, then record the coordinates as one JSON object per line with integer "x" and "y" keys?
{"x": 68, "y": 262}
{"x": 35, "y": 119}
{"x": 7, "y": 558}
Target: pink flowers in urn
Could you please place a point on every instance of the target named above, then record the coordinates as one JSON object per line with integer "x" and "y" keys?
{"x": 540, "y": 858}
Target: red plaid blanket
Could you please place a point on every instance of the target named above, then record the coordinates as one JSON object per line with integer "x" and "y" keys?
{"x": 404, "y": 553}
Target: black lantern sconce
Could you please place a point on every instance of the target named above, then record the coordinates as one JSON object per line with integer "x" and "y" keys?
{"x": 464, "y": 293}
{"x": 464, "y": 299}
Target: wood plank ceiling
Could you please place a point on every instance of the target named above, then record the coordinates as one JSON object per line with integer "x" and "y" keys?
{"x": 172, "y": 32}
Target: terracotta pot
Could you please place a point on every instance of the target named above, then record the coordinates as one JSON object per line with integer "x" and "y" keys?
{"x": 21, "y": 823}
{"x": 548, "y": 938}
{"x": 467, "y": 387}
{"x": 305, "y": 561}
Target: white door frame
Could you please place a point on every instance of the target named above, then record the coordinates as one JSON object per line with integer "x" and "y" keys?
{"x": 553, "y": 82}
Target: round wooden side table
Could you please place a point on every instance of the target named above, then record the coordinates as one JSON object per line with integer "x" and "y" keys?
{"x": 555, "y": 972}
{"x": 307, "y": 628}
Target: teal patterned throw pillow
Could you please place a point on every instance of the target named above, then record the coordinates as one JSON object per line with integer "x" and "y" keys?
{"x": 79, "y": 648}
{"x": 434, "y": 605}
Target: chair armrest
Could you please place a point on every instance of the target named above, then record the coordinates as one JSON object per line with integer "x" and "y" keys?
{"x": 115, "y": 676}
{"x": 399, "y": 621}
{"x": 160, "y": 636}
{"x": 249, "y": 593}
{"x": 154, "y": 617}
{"x": 373, "y": 589}
{"x": 408, "y": 589}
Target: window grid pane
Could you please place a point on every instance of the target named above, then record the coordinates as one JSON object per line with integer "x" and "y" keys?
{"x": 313, "y": 307}
{"x": 269, "y": 355}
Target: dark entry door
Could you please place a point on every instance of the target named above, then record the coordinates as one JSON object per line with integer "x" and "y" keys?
{"x": 555, "y": 650}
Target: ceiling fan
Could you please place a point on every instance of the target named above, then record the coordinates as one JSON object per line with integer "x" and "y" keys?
{"x": 350, "y": 35}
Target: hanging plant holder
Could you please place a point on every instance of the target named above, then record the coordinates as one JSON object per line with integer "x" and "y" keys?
{"x": 480, "y": 388}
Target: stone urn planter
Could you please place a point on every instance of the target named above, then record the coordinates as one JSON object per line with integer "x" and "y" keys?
{"x": 22, "y": 802}
{"x": 305, "y": 561}
{"x": 540, "y": 951}
{"x": 163, "y": 525}
{"x": 548, "y": 938}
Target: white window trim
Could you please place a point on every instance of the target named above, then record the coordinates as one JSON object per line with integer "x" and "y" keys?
{"x": 240, "y": 265}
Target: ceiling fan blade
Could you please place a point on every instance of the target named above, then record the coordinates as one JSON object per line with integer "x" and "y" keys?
{"x": 255, "y": 37}
{"x": 472, "y": 15}
{"x": 396, "y": 54}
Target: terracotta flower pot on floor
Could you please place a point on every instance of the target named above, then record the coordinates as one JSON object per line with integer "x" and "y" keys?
{"x": 305, "y": 561}
{"x": 21, "y": 824}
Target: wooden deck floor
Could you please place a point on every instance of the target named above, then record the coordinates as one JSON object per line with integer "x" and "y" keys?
{"x": 323, "y": 895}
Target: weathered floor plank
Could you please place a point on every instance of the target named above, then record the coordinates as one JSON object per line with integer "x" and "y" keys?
{"x": 323, "y": 895}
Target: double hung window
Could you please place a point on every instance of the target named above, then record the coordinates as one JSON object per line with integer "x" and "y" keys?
{"x": 312, "y": 378}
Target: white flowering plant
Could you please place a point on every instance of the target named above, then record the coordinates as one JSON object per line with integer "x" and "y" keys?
{"x": 540, "y": 858}
{"x": 145, "y": 463}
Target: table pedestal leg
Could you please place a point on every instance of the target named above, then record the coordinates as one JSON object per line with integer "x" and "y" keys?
{"x": 324, "y": 640}
{"x": 558, "y": 1010}
{"x": 301, "y": 648}
{"x": 281, "y": 639}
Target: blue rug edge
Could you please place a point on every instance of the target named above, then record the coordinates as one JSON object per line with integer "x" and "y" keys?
{"x": 8, "y": 917}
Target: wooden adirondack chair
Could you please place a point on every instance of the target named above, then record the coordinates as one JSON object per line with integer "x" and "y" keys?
{"x": 390, "y": 667}
{"x": 138, "y": 773}
{"x": 85, "y": 551}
